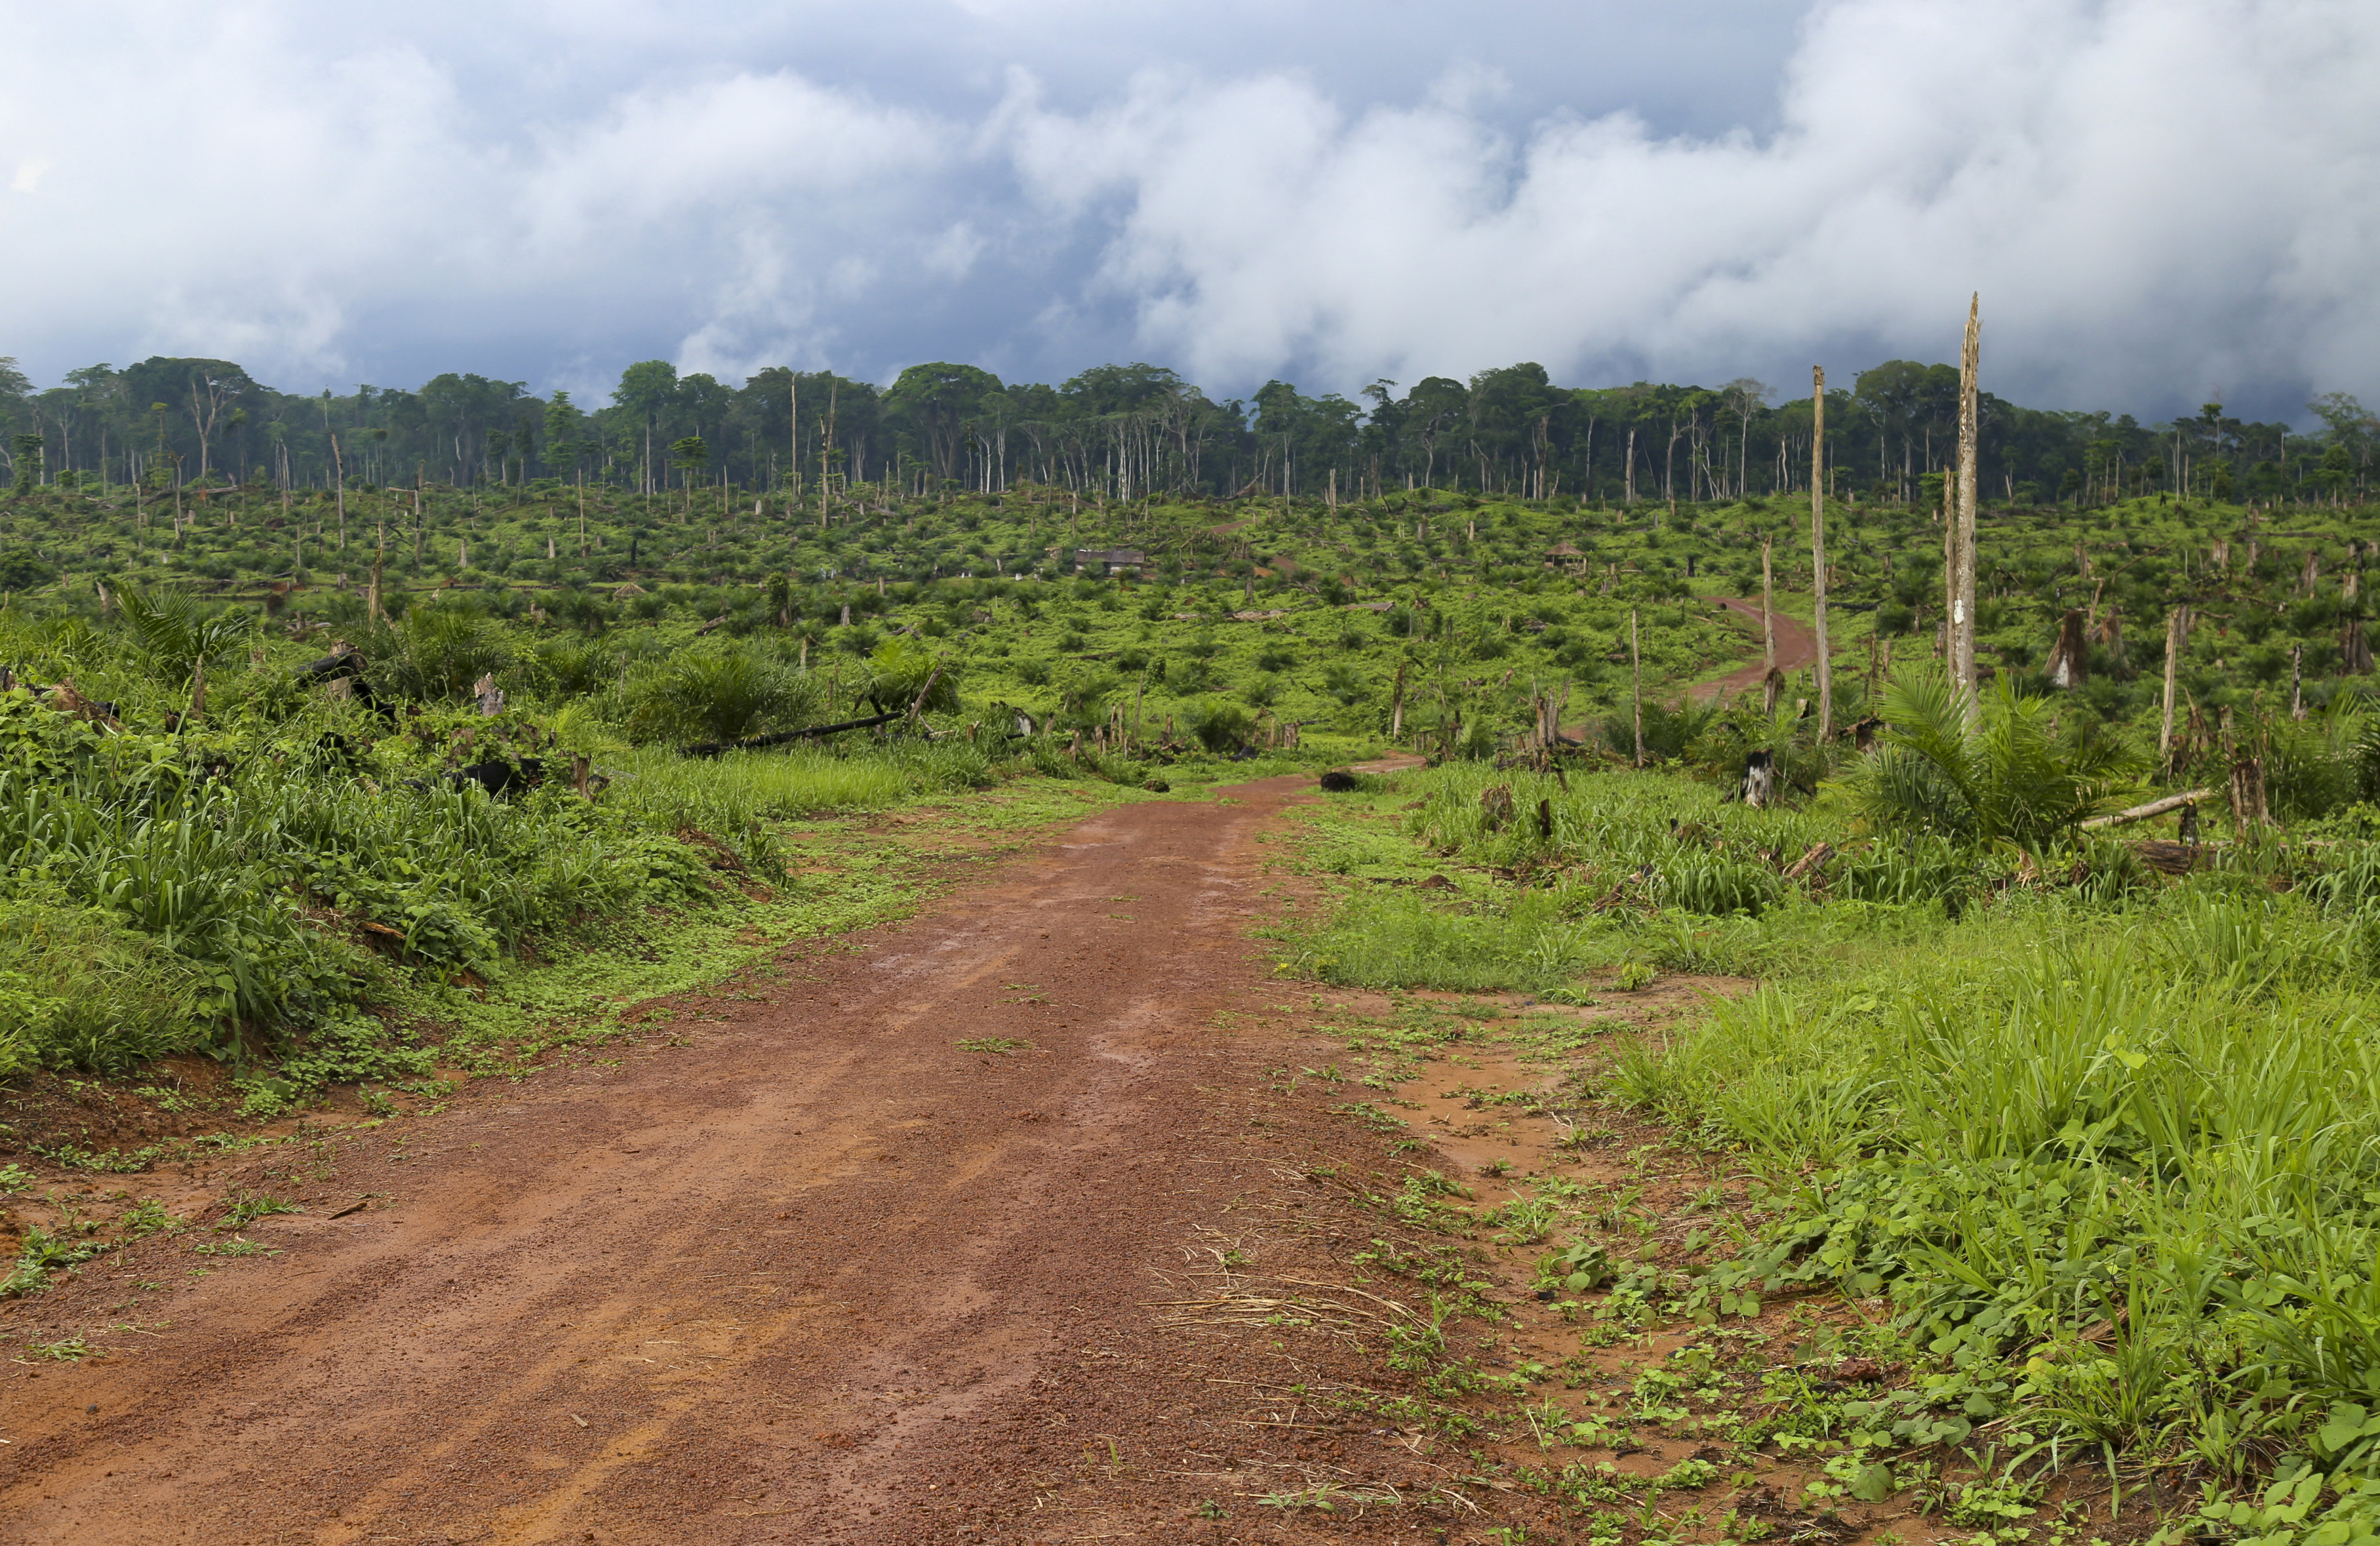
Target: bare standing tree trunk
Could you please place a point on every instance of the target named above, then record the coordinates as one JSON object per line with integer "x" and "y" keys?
{"x": 339, "y": 475}
{"x": 1767, "y": 617}
{"x": 2177, "y": 636}
{"x": 1962, "y": 606}
{"x": 1821, "y": 667}
{"x": 1948, "y": 642}
{"x": 1637, "y": 685}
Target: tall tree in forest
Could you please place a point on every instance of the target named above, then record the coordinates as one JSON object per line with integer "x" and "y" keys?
{"x": 647, "y": 390}
{"x": 935, "y": 401}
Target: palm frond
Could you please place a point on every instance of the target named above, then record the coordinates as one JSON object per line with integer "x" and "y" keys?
{"x": 2014, "y": 776}
{"x": 170, "y": 633}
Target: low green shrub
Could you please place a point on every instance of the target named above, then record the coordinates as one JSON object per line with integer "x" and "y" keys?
{"x": 80, "y": 988}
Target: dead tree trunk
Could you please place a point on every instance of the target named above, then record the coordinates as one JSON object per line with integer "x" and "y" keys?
{"x": 1963, "y": 605}
{"x": 2068, "y": 661}
{"x": 1767, "y": 615}
{"x": 1817, "y": 548}
{"x": 2248, "y": 811}
{"x": 1759, "y": 779}
{"x": 2185, "y": 801}
{"x": 2176, "y": 637}
{"x": 2354, "y": 648}
{"x": 1637, "y": 686}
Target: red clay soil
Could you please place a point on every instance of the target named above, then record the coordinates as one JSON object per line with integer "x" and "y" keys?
{"x": 804, "y": 1272}
{"x": 1797, "y": 647}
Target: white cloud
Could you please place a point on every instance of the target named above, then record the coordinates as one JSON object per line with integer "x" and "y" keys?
{"x": 2157, "y": 197}
{"x": 2156, "y": 200}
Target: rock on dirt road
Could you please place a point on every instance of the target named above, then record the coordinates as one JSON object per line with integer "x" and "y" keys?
{"x": 807, "y": 1270}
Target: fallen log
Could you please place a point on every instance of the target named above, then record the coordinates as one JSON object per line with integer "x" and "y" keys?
{"x": 2153, "y": 808}
{"x": 785, "y": 737}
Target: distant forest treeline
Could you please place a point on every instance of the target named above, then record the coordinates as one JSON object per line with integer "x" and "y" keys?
{"x": 1122, "y": 432}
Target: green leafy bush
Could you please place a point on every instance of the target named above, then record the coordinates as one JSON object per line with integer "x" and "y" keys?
{"x": 1222, "y": 728}
{"x": 723, "y": 693}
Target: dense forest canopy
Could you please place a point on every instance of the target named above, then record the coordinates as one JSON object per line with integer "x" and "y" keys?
{"x": 1126, "y": 432}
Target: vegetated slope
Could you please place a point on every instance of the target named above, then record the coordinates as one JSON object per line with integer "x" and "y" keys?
{"x": 2085, "y": 1143}
{"x": 1263, "y": 622}
{"x": 1490, "y": 595}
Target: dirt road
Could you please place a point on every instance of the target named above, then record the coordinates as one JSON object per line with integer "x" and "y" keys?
{"x": 807, "y": 1270}
{"x": 1797, "y": 649}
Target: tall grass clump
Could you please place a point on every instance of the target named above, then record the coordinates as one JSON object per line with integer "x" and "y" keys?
{"x": 2122, "y": 1167}
{"x": 1407, "y": 941}
{"x": 82, "y": 988}
{"x": 236, "y": 883}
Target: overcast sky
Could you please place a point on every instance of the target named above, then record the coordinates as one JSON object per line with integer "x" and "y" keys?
{"x": 2160, "y": 199}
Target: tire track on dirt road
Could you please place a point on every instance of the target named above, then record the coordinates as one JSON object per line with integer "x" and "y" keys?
{"x": 804, "y": 1278}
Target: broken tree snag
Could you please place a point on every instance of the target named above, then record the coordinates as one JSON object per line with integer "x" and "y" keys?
{"x": 1767, "y": 619}
{"x": 1963, "y": 601}
{"x": 1759, "y": 779}
{"x": 2247, "y": 791}
{"x": 2177, "y": 639}
{"x": 1823, "y": 666}
{"x": 2069, "y": 659}
{"x": 2354, "y": 645}
{"x": 1636, "y": 683}
{"x": 2154, "y": 808}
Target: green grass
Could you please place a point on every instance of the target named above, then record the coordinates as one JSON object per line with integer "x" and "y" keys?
{"x": 741, "y": 791}
{"x": 2102, "y": 1148}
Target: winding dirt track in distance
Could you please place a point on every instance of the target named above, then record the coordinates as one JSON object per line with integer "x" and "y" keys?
{"x": 807, "y": 1272}
{"x": 1797, "y": 647}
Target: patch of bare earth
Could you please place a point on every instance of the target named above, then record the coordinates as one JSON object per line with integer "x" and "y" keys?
{"x": 806, "y": 1270}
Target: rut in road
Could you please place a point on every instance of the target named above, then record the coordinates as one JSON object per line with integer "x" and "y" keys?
{"x": 818, "y": 1275}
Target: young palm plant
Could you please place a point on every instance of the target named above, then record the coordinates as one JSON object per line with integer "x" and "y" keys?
{"x": 2013, "y": 778}
{"x": 174, "y": 638}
